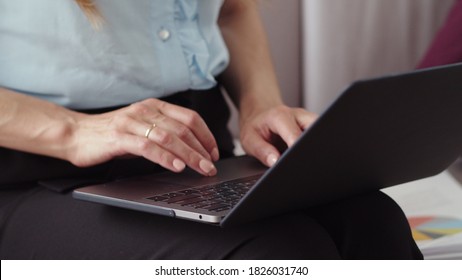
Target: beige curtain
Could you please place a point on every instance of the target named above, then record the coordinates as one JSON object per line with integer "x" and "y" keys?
{"x": 345, "y": 40}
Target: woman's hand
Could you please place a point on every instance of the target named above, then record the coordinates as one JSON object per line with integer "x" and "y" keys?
{"x": 251, "y": 82}
{"x": 170, "y": 135}
{"x": 261, "y": 132}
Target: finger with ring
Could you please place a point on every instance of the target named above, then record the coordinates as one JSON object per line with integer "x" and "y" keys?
{"x": 148, "y": 131}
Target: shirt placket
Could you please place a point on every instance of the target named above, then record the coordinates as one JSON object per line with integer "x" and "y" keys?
{"x": 172, "y": 63}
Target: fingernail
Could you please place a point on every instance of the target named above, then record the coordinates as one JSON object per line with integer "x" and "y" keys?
{"x": 215, "y": 154}
{"x": 271, "y": 159}
{"x": 292, "y": 141}
{"x": 178, "y": 164}
{"x": 207, "y": 167}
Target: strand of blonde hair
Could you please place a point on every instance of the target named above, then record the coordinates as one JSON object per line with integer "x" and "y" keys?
{"x": 91, "y": 12}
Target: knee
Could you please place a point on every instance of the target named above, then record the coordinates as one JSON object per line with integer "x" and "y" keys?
{"x": 369, "y": 226}
{"x": 288, "y": 237}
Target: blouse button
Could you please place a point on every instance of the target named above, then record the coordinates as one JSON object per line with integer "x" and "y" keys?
{"x": 164, "y": 34}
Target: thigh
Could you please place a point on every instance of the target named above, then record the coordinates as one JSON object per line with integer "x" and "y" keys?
{"x": 45, "y": 225}
{"x": 369, "y": 226}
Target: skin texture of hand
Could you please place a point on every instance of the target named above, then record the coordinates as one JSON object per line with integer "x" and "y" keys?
{"x": 180, "y": 137}
{"x": 263, "y": 132}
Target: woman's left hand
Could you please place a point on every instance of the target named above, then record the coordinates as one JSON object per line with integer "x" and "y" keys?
{"x": 261, "y": 132}
{"x": 251, "y": 82}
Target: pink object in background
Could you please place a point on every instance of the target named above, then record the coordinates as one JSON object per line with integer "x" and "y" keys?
{"x": 447, "y": 45}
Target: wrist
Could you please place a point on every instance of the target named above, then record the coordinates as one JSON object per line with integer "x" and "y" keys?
{"x": 256, "y": 102}
{"x": 61, "y": 136}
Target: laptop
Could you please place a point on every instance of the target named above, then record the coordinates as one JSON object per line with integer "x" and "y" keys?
{"x": 380, "y": 132}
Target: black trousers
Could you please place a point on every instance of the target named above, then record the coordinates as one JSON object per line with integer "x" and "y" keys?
{"x": 40, "y": 220}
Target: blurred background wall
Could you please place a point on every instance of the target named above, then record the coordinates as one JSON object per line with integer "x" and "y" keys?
{"x": 355, "y": 39}
{"x": 320, "y": 46}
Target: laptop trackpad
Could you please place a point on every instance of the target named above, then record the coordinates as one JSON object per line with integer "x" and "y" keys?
{"x": 159, "y": 183}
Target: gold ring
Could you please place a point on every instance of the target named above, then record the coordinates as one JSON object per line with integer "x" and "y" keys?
{"x": 148, "y": 131}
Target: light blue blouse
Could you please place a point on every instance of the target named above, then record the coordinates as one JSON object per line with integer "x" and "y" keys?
{"x": 146, "y": 48}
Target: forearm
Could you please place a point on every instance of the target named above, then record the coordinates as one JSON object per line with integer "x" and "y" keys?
{"x": 33, "y": 125}
{"x": 250, "y": 78}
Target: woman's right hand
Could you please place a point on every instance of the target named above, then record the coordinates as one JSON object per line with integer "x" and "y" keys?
{"x": 180, "y": 137}
{"x": 176, "y": 137}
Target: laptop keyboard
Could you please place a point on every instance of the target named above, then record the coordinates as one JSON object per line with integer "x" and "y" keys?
{"x": 215, "y": 198}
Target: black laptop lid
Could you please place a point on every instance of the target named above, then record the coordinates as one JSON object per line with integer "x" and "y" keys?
{"x": 378, "y": 133}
